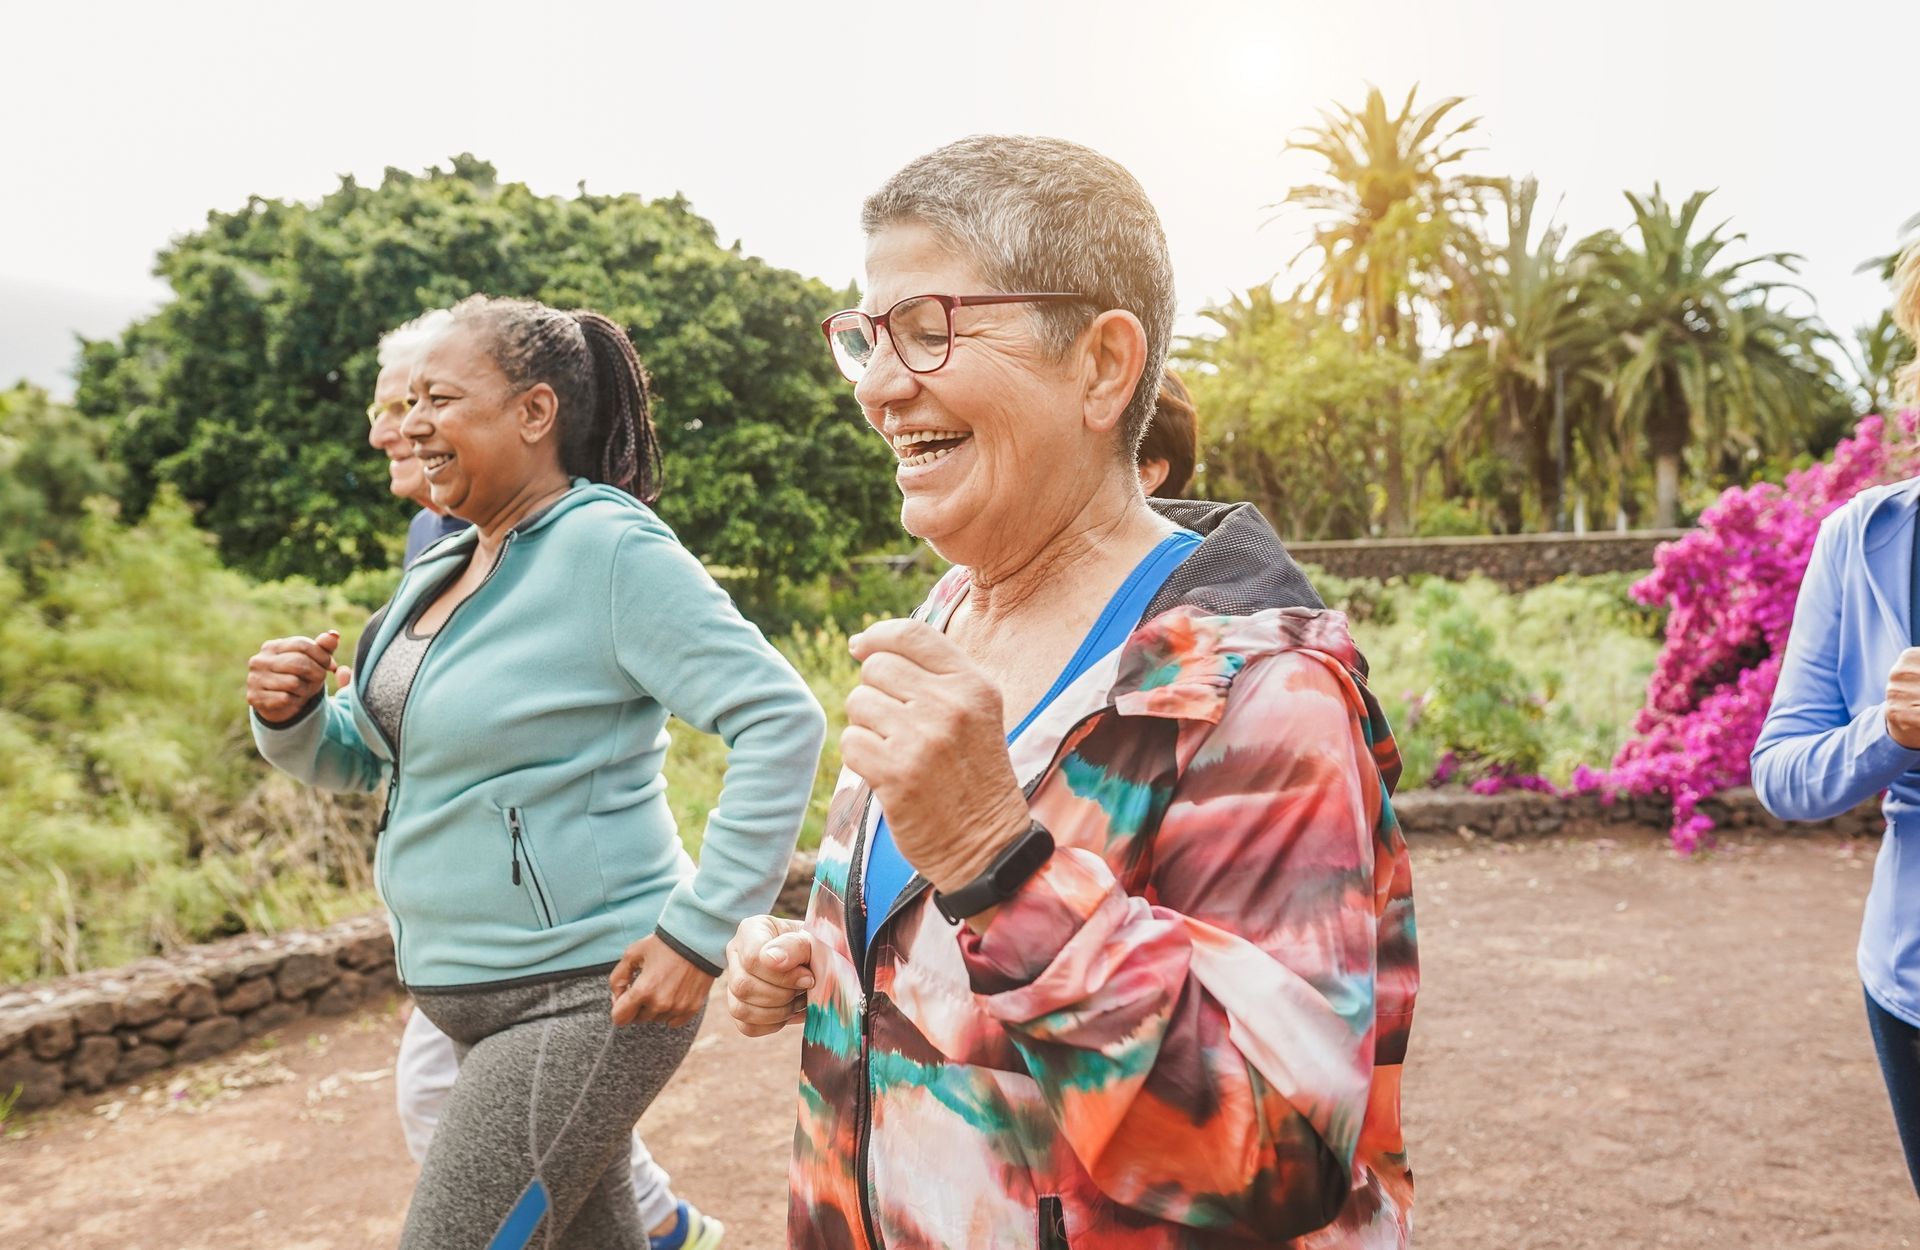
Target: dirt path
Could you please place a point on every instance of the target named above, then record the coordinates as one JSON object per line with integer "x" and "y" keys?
{"x": 1614, "y": 1049}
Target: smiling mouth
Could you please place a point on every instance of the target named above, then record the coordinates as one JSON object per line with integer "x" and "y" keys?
{"x": 924, "y": 447}
{"x": 432, "y": 463}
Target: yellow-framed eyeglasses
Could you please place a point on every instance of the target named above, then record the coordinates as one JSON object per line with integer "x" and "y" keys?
{"x": 395, "y": 408}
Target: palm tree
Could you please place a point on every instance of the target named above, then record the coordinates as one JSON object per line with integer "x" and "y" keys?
{"x": 1529, "y": 338}
{"x": 1696, "y": 350}
{"x": 1880, "y": 349}
{"x": 1394, "y": 230}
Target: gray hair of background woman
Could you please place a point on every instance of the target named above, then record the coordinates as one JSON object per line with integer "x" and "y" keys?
{"x": 1036, "y": 214}
{"x": 404, "y": 341}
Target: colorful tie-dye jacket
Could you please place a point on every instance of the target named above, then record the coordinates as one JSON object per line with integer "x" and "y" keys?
{"x": 1187, "y": 1029}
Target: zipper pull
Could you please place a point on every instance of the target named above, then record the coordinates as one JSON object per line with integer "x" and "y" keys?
{"x": 513, "y": 825}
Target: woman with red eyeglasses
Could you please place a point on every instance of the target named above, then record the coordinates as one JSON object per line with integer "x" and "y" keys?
{"x": 1111, "y": 940}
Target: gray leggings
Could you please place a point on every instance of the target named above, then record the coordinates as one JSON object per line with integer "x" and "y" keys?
{"x": 548, "y": 1091}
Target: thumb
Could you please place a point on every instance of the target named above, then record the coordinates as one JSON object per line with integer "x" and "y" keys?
{"x": 789, "y": 951}
{"x": 329, "y": 641}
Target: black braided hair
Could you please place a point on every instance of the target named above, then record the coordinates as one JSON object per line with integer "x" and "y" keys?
{"x": 606, "y": 409}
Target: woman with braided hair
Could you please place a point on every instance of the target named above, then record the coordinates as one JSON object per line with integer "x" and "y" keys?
{"x": 514, "y": 696}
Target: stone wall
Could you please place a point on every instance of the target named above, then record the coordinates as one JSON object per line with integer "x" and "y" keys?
{"x": 1523, "y": 814}
{"x": 81, "y": 1034}
{"x": 1516, "y": 562}
{"x": 84, "y": 1033}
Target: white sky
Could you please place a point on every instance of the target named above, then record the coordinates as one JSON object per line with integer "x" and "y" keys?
{"x": 123, "y": 124}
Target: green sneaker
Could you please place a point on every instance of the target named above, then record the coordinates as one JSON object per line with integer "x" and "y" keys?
{"x": 703, "y": 1231}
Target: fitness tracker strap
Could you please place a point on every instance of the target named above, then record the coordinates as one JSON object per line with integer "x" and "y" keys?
{"x": 1010, "y": 870}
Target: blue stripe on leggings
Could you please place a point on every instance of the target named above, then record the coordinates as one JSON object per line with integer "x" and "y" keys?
{"x": 517, "y": 1229}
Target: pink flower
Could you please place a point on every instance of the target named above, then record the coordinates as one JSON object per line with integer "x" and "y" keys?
{"x": 1729, "y": 587}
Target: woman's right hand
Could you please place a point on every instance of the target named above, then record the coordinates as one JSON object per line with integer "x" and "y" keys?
{"x": 1903, "y": 699}
{"x": 769, "y": 971}
{"x": 288, "y": 673}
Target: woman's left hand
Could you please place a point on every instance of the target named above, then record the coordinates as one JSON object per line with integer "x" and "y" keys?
{"x": 925, "y": 728}
{"x": 655, "y": 983}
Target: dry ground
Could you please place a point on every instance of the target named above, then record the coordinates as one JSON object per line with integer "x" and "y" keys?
{"x": 1614, "y": 1048}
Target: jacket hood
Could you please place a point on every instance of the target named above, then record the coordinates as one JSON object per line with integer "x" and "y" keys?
{"x": 1240, "y": 567}
{"x": 1237, "y": 598}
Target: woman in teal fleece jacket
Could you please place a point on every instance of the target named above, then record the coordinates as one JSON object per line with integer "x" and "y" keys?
{"x": 514, "y": 696}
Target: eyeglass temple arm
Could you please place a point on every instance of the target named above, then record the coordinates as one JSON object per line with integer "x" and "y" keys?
{"x": 1036, "y": 297}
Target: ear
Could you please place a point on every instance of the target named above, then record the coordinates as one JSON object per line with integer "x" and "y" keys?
{"x": 539, "y": 413}
{"x": 1115, "y": 354}
{"x": 1152, "y": 473}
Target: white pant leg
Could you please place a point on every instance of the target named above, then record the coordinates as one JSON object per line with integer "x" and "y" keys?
{"x": 423, "y": 1074}
{"x": 652, "y": 1187}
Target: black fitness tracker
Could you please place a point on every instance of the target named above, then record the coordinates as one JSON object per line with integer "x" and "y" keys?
{"x": 1023, "y": 857}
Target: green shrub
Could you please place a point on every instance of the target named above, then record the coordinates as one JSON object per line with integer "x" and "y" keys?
{"x": 1448, "y": 518}
{"x": 52, "y": 460}
{"x": 1362, "y": 598}
{"x": 1458, "y": 666}
{"x": 134, "y": 812}
{"x": 869, "y": 590}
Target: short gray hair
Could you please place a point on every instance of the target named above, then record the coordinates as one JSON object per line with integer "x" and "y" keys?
{"x": 405, "y": 341}
{"x": 1036, "y": 214}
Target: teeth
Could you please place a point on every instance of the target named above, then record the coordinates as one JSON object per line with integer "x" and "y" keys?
{"x": 904, "y": 441}
{"x": 925, "y": 457}
{"x": 434, "y": 462}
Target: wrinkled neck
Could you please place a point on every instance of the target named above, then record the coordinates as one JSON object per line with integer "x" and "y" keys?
{"x": 1086, "y": 557}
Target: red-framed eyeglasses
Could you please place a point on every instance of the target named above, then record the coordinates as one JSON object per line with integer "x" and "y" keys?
{"x": 921, "y": 327}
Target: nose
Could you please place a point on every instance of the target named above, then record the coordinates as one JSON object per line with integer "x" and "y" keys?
{"x": 383, "y": 433}
{"x": 416, "y": 425}
{"x": 887, "y": 383}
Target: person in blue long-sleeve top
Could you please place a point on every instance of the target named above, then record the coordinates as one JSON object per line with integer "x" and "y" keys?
{"x": 1845, "y": 725}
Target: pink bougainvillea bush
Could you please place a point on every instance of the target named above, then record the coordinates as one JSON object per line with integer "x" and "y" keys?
{"x": 1730, "y": 587}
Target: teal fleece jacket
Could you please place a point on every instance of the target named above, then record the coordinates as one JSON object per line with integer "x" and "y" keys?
{"x": 527, "y": 830}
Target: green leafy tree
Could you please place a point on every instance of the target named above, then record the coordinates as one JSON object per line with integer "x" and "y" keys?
{"x": 1294, "y": 413}
{"x": 245, "y": 391}
{"x": 1697, "y": 351}
{"x": 52, "y": 460}
{"x": 1395, "y": 229}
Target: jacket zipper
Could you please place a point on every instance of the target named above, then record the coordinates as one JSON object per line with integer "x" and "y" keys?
{"x": 863, "y": 1108}
{"x": 400, "y": 732}
{"x": 857, "y": 932}
{"x": 517, "y": 828}
{"x": 1052, "y": 1217}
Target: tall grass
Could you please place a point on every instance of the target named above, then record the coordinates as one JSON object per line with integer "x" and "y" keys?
{"x": 134, "y": 814}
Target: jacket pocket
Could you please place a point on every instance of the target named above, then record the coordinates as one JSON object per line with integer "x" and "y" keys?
{"x": 522, "y": 870}
{"x": 1053, "y": 1224}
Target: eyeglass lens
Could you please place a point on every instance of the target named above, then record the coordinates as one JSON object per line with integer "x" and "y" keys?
{"x": 919, "y": 327}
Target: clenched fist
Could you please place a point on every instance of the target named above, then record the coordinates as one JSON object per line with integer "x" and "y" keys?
{"x": 1903, "y": 699}
{"x": 925, "y": 730}
{"x": 286, "y": 674}
{"x": 769, "y": 971}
